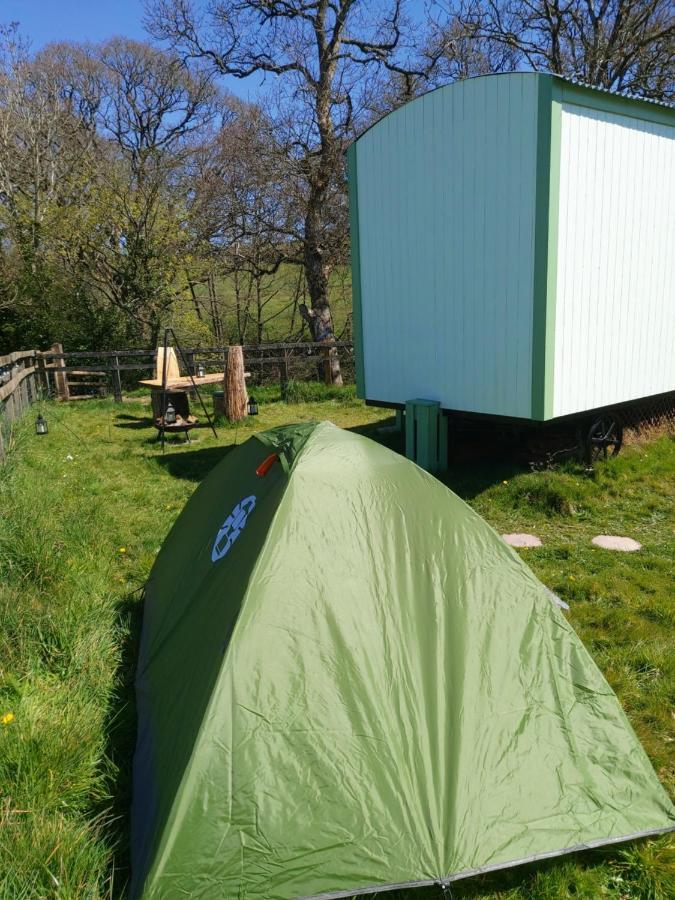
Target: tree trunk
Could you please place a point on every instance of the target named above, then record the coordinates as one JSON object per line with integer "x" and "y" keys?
{"x": 193, "y": 294}
{"x": 319, "y": 317}
{"x": 259, "y": 311}
{"x": 215, "y": 313}
{"x": 236, "y": 398}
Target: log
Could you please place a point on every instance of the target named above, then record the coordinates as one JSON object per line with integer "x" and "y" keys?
{"x": 236, "y": 398}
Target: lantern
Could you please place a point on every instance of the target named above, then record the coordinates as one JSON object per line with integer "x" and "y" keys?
{"x": 41, "y": 426}
{"x": 170, "y": 415}
{"x": 201, "y": 370}
{"x": 252, "y": 407}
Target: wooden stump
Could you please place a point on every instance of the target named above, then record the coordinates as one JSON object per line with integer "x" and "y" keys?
{"x": 236, "y": 398}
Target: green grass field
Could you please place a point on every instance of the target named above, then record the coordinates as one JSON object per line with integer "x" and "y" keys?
{"x": 84, "y": 511}
{"x": 277, "y": 314}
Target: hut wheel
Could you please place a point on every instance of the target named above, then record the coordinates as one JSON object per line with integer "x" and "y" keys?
{"x": 604, "y": 438}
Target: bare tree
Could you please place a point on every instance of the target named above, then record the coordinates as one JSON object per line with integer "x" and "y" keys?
{"x": 318, "y": 51}
{"x": 151, "y": 105}
{"x": 621, "y": 45}
{"x": 245, "y": 216}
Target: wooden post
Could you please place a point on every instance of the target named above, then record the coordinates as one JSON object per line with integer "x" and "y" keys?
{"x": 236, "y": 398}
{"x": 117, "y": 379}
{"x": 43, "y": 375}
{"x": 60, "y": 378}
{"x": 31, "y": 381}
{"x": 283, "y": 373}
{"x": 25, "y": 396}
{"x": 190, "y": 357}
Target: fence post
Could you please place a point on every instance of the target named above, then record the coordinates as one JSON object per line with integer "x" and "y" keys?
{"x": 43, "y": 374}
{"x": 60, "y": 378}
{"x": 117, "y": 379}
{"x": 23, "y": 387}
{"x": 190, "y": 358}
{"x": 30, "y": 381}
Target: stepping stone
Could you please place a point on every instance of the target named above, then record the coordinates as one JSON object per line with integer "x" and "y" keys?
{"x": 613, "y": 542}
{"x": 522, "y": 540}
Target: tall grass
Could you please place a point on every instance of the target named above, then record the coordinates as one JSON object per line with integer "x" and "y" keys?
{"x": 59, "y": 651}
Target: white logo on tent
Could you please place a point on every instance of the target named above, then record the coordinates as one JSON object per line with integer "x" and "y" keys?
{"x": 232, "y": 527}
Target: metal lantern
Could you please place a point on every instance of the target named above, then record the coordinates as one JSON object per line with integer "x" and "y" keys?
{"x": 41, "y": 426}
{"x": 252, "y": 407}
{"x": 201, "y": 370}
{"x": 170, "y": 415}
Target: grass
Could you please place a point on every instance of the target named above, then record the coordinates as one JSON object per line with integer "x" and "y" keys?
{"x": 278, "y": 315}
{"x": 84, "y": 511}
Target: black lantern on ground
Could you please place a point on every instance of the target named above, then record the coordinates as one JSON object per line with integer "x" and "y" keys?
{"x": 252, "y": 407}
{"x": 41, "y": 426}
{"x": 170, "y": 415}
{"x": 201, "y": 370}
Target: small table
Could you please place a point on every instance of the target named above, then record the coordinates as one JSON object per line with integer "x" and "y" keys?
{"x": 184, "y": 383}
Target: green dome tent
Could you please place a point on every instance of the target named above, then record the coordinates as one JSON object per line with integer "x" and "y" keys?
{"x": 349, "y": 683}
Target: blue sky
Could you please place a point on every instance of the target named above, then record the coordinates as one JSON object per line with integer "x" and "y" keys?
{"x": 76, "y": 20}
{"x": 87, "y": 20}
{"x": 43, "y": 21}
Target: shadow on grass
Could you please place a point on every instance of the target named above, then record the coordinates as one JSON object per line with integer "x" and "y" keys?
{"x": 193, "y": 465}
{"x": 120, "y": 730}
{"x": 478, "y": 458}
{"x": 135, "y": 422}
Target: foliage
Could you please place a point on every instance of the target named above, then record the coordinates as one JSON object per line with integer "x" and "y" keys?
{"x": 91, "y": 142}
{"x": 131, "y": 184}
{"x": 78, "y": 537}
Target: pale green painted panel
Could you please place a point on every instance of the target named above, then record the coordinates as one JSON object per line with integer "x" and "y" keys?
{"x": 446, "y": 200}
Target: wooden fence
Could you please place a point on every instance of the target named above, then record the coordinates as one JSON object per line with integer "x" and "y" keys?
{"x": 29, "y": 374}
{"x": 20, "y": 375}
{"x": 115, "y": 370}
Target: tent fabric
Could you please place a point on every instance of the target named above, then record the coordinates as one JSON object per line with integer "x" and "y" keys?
{"x": 368, "y": 688}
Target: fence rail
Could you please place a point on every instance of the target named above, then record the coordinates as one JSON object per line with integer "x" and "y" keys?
{"x": 19, "y": 387}
{"x": 25, "y": 375}
{"x": 279, "y": 361}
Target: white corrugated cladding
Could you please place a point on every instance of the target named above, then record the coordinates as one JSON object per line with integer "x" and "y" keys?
{"x": 446, "y": 195}
{"x": 615, "y": 297}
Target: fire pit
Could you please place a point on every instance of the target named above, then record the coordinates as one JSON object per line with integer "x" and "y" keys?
{"x": 184, "y": 424}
